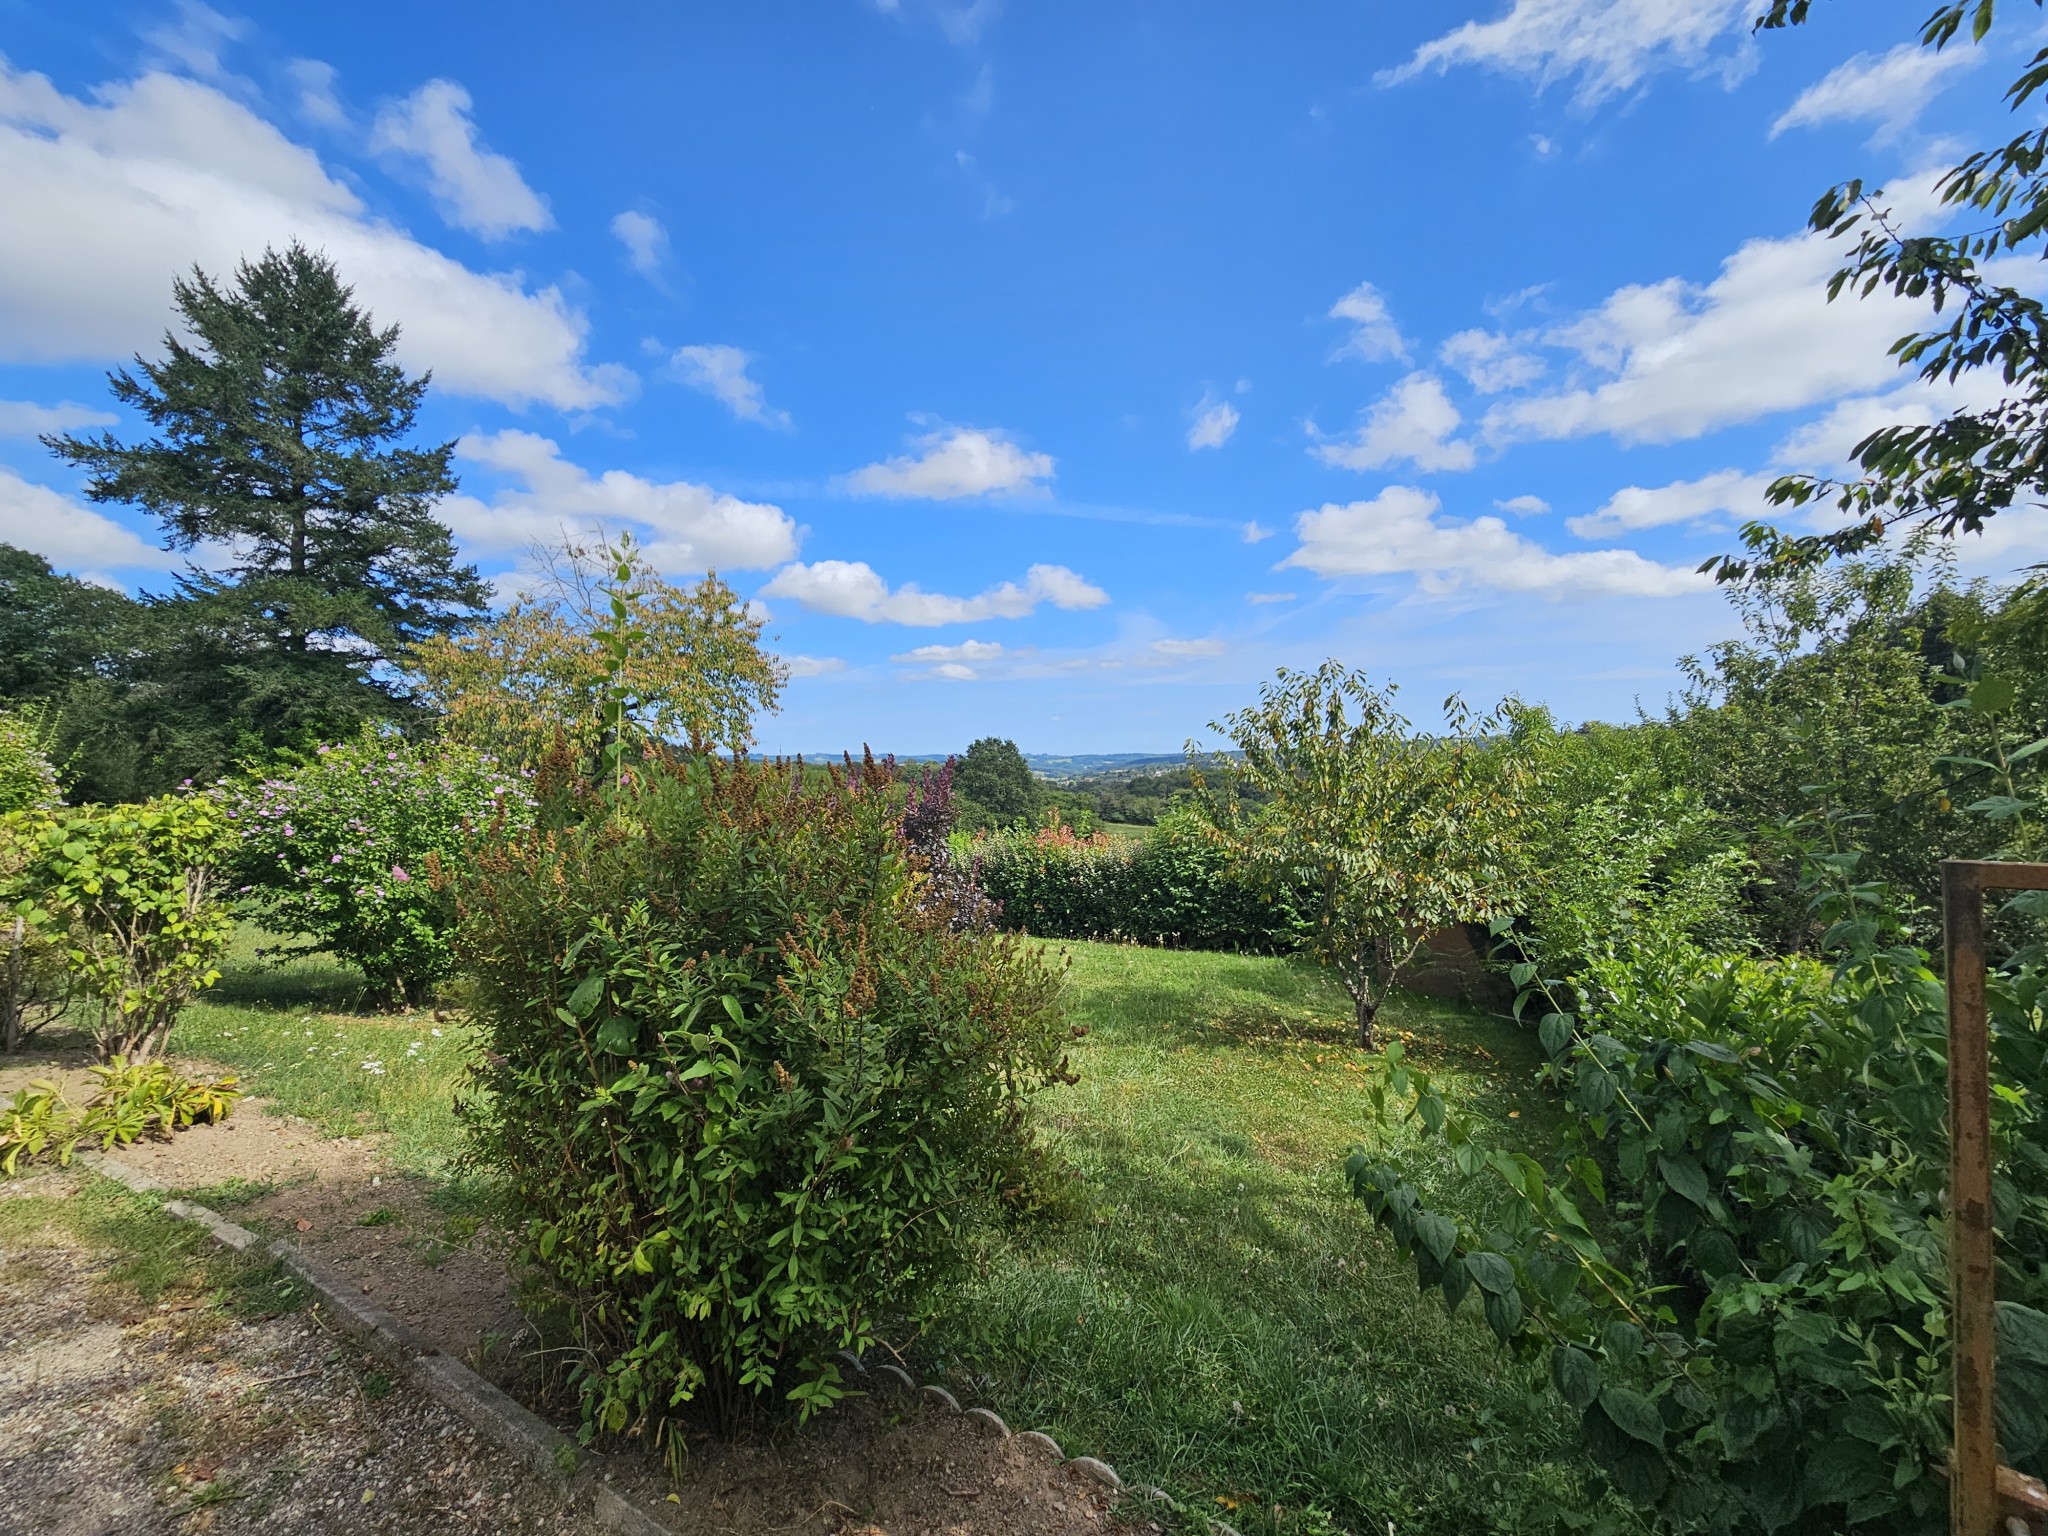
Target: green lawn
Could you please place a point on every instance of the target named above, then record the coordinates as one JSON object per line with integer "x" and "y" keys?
{"x": 1208, "y": 1309}
{"x": 1218, "y": 1316}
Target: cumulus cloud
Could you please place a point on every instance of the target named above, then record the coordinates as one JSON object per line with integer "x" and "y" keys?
{"x": 106, "y": 197}
{"x": 475, "y": 188}
{"x": 1213, "y": 426}
{"x": 1524, "y": 506}
{"x": 1726, "y": 491}
{"x": 962, "y": 663}
{"x": 24, "y": 418}
{"x": 1889, "y": 89}
{"x": 685, "y": 527}
{"x": 721, "y": 373}
{"x": 851, "y": 589}
{"x": 1666, "y": 361}
{"x": 813, "y": 666}
{"x": 1374, "y": 336}
{"x": 952, "y": 463}
{"x": 1491, "y": 362}
{"x": 1606, "y": 46}
{"x": 1399, "y": 533}
{"x": 70, "y": 535}
{"x": 1411, "y": 424}
{"x": 645, "y": 239}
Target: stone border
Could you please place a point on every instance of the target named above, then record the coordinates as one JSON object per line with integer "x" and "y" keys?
{"x": 516, "y": 1429}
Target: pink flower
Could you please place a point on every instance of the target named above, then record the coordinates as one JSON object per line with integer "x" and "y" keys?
{"x": 398, "y": 873}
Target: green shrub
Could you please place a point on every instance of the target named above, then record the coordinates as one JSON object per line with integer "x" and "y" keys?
{"x": 746, "y": 1088}
{"x": 1734, "y": 1271}
{"x": 127, "y": 894}
{"x": 28, "y": 781}
{"x": 339, "y": 847}
{"x": 1176, "y": 888}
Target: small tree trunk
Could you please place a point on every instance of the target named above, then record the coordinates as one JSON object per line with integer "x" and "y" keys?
{"x": 1367, "y": 1008}
{"x": 13, "y": 986}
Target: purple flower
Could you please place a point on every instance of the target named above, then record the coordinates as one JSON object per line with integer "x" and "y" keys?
{"x": 398, "y": 873}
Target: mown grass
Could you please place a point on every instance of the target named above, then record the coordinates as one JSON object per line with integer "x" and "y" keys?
{"x": 1216, "y": 1314}
{"x": 292, "y": 1032}
{"x": 1208, "y": 1308}
{"x": 154, "y": 1258}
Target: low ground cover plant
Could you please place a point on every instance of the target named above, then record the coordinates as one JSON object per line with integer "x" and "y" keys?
{"x": 744, "y": 1089}
{"x": 339, "y": 847}
{"x": 131, "y": 1100}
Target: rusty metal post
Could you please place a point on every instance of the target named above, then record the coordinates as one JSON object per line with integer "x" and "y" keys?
{"x": 1975, "y": 1504}
{"x": 1972, "y": 1280}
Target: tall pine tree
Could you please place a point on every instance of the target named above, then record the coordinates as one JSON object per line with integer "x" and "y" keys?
{"x": 279, "y": 456}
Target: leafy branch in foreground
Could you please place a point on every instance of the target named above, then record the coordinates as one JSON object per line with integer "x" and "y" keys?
{"x": 1955, "y": 474}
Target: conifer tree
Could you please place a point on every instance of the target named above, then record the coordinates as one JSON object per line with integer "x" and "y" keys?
{"x": 279, "y": 454}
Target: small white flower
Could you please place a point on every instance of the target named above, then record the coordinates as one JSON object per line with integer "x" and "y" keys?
{"x": 435, "y": 1033}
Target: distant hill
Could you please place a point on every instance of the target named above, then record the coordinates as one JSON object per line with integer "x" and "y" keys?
{"x": 1102, "y": 765}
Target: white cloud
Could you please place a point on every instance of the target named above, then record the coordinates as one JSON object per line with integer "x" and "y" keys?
{"x": 24, "y": 418}
{"x": 955, "y": 462}
{"x": 1213, "y": 426}
{"x": 813, "y": 666}
{"x": 1728, "y": 491}
{"x": 686, "y": 527}
{"x": 107, "y": 199}
{"x": 1398, "y": 533}
{"x": 196, "y": 40}
{"x": 1411, "y": 424}
{"x": 851, "y": 589}
{"x": 1491, "y": 362}
{"x": 1524, "y": 506}
{"x": 721, "y": 372}
{"x": 962, "y": 663}
{"x": 1374, "y": 336}
{"x": 1890, "y": 89}
{"x": 1256, "y": 532}
{"x": 319, "y": 102}
{"x": 1608, "y": 46}
{"x": 1187, "y": 650}
{"x": 69, "y": 535}
{"x": 645, "y": 239}
{"x": 1683, "y": 359}
{"x": 1259, "y": 599}
{"x": 476, "y": 189}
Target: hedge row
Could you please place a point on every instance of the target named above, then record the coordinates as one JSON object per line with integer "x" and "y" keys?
{"x": 1174, "y": 888}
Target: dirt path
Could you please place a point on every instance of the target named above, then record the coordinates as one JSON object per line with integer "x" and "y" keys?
{"x": 187, "y": 1415}
{"x": 186, "y": 1421}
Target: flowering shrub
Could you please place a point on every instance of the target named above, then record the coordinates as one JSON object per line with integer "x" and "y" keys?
{"x": 27, "y": 779}
{"x": 340, "y": 846}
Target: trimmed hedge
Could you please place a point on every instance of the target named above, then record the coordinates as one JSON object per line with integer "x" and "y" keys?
{"x": 1175, "y": 888}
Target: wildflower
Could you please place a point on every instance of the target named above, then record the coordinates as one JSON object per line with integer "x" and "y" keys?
{"x": 398, "y": 873}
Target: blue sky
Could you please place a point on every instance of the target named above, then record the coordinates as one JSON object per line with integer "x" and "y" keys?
{"x": 1052, "y": 371}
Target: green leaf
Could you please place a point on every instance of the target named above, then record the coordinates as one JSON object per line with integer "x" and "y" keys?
{"x": 1685, "y": 1176}
{"x": 586, "y": 995}
{"x": 1744, "y": 1420}
{"x": 2022, "y": 1333}
{"x": 1504, "y": 1313}
{"x": 1621, "y": 1341}
{"x": 1522, "y": 973}
{"x": 1576, "y": 1375}
{"x": 1634, "y": 1415}
{"x": 1490, "y": 1272}
{"x": 618, "y": 1036}
{"x": 1992, "y": 695}
{"x": 1841, "y": 1468}
{"x": 1555, "y": 1032}
{"x": 1437, "y": 1234}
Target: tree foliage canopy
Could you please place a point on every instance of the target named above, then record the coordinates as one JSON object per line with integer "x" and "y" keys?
{"x": 1955, "y": 474}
